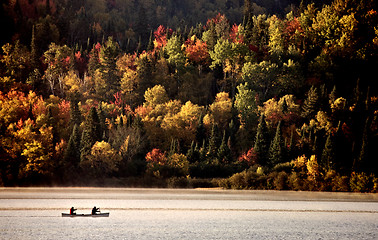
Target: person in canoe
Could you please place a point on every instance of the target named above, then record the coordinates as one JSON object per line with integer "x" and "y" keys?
{"x": 95, "y": 210}
{"x": 72, "y": 211}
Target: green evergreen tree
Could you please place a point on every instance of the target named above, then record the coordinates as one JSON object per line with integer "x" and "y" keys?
{"x": 150, "y": 45}
{"x": 193, "y": 153}
{"x": 328, "y": 154}
{"x": 91, "y": 133}
{"x": 224, "y": 153}
{"x": 108, "y": 68}
{"x": 93, "y": 61}
{"x": 261, "y": 146}
{"x": 72, "y": 153}
{"x": 75, "y": 114}
{"x": 277, "y": 148}
{"x": 231, "y": 142}
{"x": 362, "y": 161}
{"x": 213, "y": 142}
{"x": 333, "y": 95}
{"x": 34, "y": 51}
{"x": 142, "y": 30}
{"x": 310, "y": 105}
{"x": 175, "y": 147}
{"x": 200, "y": 130}
{"x": 102, "y": 118}
{"x": 203, "y": 151}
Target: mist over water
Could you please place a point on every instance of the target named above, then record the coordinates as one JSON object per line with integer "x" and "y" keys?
{"x": 35, "y": 213}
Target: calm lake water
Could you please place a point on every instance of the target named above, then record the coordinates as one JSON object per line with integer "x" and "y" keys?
{"x": 35, "y": 213}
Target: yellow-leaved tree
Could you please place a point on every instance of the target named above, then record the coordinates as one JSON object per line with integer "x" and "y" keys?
{"x": 102, "y": 161}
{"x": 220, "y": 111}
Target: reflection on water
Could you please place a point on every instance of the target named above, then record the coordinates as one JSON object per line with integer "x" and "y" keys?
{"x": 185, "y": 214}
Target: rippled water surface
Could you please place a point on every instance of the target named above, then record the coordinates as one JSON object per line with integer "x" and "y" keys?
{"x": 35, "y": 213}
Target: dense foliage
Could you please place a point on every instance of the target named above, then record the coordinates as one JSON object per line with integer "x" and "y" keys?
{"x": 248, "y": 98}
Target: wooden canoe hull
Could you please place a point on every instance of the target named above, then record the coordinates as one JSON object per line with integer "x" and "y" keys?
{"x": 85, "y": 215}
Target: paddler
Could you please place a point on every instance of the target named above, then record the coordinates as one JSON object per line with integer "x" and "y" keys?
{"x": 73, "y": 211}
{"x": 95, "y": 210}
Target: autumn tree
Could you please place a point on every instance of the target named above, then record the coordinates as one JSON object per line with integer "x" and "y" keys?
{"x": 176, "y": 56}
{"x": 102, "y": 161}
{"x": 59, "y": 61}
{"x": 262, "y": 77}
{"x": 197, "y": 52}
{"x": 220, "y": 110}
{"x": 16, "y": 61}
{"x": 154, "y": 96}
{"x": 245, "y": 103}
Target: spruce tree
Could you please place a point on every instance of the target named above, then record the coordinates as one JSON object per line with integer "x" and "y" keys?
{"x": 72, "y": 153}
{"x": 203, "y": 151}
{"x": 34, "y": 50}
{"x": 277, "y": 148}
{"x": 102, "y": 118}
{"x": 224, "y": 153}
{"x": 333, "y": 95}
{"x": 310, "y": 105}
{"x": 200, "y": 130}
{"x": 262, "y": 141}
{"x": 108, "y": 68}
{"x": 193, "y": 153}
{"x": 232, "y": 134}
{"x": 328, "y": 154}
{"x": 362, "y": 162}
{"x": 213, "y": 142}
{"x": 75, "y": 113}
{"x": 91, "y": 133}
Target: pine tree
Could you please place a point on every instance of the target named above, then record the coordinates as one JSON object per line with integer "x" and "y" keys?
{"x": 150, "y": 45}
{"x": 277, "y": 148}
{"x": 333, "y": 95}
{"x": 175, "y": 147}
{"x": 91, "y": 133}
{"x": 328, "y": 154}
{"x": 310, "y": 105}
{"x": 213, "y": 142}
{"x": 108, "y": 68}
{"x": 200, "y": 130}
{"x": 34, "y": 50}
{"x": 141, "y": 28}
{"x": 362, "y": 162}
{"x": 224, "y": 153}
{"x": 193, "y": 153}
{"x": 203, "y": 151}
{"x": 75, "y": 113}
{"x": 262, "y": 142}
{"x": 232, "y": 134}
{"x": 102, "y": 118}
{"x": 284, "y": 107}
{"x": 72, "y": 153}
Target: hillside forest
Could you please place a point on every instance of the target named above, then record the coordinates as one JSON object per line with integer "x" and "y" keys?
{"x": 192, "y": 93}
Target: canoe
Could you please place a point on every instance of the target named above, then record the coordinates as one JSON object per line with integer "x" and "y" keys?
{"x": 86, "y": 215}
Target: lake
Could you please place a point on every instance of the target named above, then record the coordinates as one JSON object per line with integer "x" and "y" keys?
{"x": 35, "y": 213}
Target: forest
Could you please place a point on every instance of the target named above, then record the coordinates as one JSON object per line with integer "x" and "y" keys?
{"x": 236, "y": 94}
